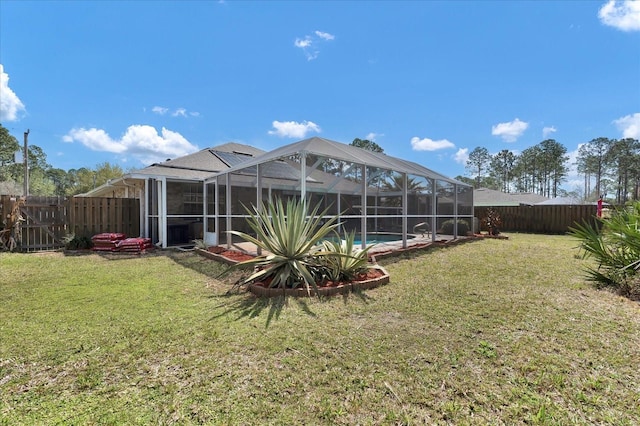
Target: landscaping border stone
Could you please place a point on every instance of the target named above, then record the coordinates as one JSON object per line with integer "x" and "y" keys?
{"x": 345, "y": 288}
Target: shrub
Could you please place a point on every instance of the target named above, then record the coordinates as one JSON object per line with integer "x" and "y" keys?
{"x": 614, "y": 243}
{"x": 73, "y": 242}
{"x": 492, "y": 222}
{"x": 447, "y": 227}
{"x": 342, "y": 260}
{"x": 199, "y": 243}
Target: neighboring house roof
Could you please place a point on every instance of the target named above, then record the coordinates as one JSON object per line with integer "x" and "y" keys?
{"x": 340, "y": 151}
{"x": 573, "y": 201}
{"x": 483, "y": 197}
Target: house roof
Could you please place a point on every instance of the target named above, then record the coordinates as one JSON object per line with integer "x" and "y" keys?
{"x": 339, "y": 151}
{"x": 203, "y": 163}
{"x": 196, "y": 166}
{"x": 483, "y": 197}
{"x": 232, "y": 156}
{"x": 573, "y": 201}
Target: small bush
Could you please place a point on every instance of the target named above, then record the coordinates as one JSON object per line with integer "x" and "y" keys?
{"x": 342, "y": 260}
{"x": 199, "y": 243}
{"x": 447, "y": 227}
{"x": 492, "y": 222}
{"x": 73, "y": 242}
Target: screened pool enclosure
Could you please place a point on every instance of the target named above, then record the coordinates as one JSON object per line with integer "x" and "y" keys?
{"x": 377, "y": 196}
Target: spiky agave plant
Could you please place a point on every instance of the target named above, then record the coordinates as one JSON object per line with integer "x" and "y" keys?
{"x": 614, "y": 243}
{"x": 288, "y": 233}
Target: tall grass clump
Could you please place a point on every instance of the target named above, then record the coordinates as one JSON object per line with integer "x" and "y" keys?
{"x": 614, "y": 244}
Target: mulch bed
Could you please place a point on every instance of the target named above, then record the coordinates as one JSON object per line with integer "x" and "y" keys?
{"x": 238, "y": 256}
{"x": 371, "y": 274}
{"x": 372, "y": 278}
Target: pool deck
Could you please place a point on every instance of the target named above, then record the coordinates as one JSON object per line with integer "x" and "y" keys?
{"x": 383, "y": 247}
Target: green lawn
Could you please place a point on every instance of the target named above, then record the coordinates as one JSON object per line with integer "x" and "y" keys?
{"x": 488, "y": 332}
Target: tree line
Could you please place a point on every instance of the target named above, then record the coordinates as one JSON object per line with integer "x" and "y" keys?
{"x": 45, "y": 179}
{"x": 610, "y": 168}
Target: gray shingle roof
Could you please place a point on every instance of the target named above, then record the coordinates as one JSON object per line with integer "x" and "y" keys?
{"x": 196, "y": 166}
{"x": 572, "y": 201}
{"x": 489, "y": 197}
{"x": 207, "y": 160}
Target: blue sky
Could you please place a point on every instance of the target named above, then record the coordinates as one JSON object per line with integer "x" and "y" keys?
{"x": 133, "y": 83}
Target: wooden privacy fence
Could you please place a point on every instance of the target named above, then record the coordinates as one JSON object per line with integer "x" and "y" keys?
{"x": 48, "y": 220}
{"x": 91, "y": 216}
{"x": 544, "y": 219}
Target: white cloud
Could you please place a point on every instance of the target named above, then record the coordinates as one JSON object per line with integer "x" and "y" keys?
{"x": 180, "y": 112}
{"x": 629, "y": 125}
{"x": 303, "y": 43}
{"x": 310, "y": 53}
{"x": 372, "y": 136}
{"x": 159, "y": 110}
{"x": 140, "y": 141}
{"x": 309, "y": 43}
{"x": 292, "y": 129}
{"x": 510, "y": 131}
{"x": 10, "y": 104}
{"x": 427, "y": 144}
{"x": 623, "y": 15}
{"x": 546, "y": 131}
{"x": 325, "y": 36}
{"x": 461, "y": 156}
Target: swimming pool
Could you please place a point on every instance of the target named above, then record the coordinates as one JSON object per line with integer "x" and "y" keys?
{"x": 377, "y": 237}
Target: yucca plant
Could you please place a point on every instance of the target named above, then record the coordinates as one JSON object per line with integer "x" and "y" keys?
{"x": 614, "y": 243}
{"x": 199, "y": 243}
{"x": 342, "y": 258}
{"x": 289, "y": 234}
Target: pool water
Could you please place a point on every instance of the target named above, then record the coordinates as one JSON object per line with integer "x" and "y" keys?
{"x": 375, "y": 238}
